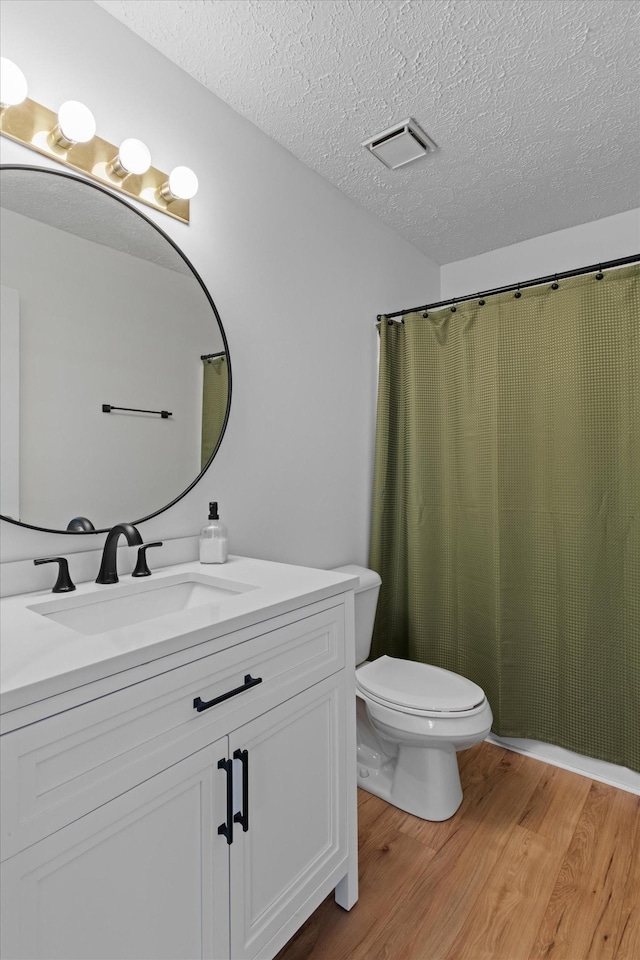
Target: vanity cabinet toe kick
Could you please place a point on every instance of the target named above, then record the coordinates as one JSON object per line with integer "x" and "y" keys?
{"x": 203, "y": 812}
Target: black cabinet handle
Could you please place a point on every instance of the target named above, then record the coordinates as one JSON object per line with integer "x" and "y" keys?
{"x": 243, "y": 818}
{"x": 226, "y": 829}
{"x": 249, "y": 682}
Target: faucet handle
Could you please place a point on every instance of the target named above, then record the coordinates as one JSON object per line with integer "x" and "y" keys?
{"x": 142, "y": 568}
{"x": 64, "y": 583}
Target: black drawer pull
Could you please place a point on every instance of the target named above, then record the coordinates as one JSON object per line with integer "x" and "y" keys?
{"x": 249, "y": 682}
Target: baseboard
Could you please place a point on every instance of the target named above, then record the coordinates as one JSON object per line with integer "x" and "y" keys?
{"x": 610, "y": 773}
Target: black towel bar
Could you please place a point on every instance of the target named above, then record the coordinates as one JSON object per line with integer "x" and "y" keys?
{"x": 107, "y": 408}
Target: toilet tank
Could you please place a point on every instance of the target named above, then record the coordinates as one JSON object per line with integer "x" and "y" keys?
{"x": 366, "y": 600}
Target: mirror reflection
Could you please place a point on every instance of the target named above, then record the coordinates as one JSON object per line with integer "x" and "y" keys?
{"x": 99, "y": 311}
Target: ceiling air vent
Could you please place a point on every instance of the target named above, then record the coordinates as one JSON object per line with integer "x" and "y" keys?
{"x": 401, "y": 144}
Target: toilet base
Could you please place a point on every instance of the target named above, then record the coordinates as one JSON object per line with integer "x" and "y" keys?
{"x": 423, "y": 781}
{"x": 410, "y": 761}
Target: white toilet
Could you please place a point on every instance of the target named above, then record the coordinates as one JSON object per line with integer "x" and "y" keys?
{"x": 411, "y": 720}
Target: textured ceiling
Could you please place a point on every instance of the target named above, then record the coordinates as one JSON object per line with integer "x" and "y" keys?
{"x": 533, "y": 103}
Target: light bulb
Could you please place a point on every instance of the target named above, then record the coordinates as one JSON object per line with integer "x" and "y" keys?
{"x": 13, "y": 84}
{"x": 133, "y": 157}
{"x": 181, "y": 185}
{"x": 76, "y": 124}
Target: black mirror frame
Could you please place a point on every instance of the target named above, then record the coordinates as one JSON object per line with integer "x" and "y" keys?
{"x": 129, "y": 206}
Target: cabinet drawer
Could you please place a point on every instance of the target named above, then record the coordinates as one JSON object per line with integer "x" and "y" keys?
{"x": 59, "y": 769}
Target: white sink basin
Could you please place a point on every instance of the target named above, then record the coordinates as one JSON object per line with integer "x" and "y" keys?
{"x": 123, "y": 606}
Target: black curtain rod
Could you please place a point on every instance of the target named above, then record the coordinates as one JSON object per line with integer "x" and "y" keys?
{"x": 553, "y": 278}
{"x": 212, "y": 356}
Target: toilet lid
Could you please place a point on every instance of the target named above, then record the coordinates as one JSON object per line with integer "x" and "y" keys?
{"x": 418, "y": 686}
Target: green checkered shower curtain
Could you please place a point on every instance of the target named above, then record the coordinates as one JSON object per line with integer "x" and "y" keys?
{"x": 215, "y": 398}
{"x": 506, "y": 506}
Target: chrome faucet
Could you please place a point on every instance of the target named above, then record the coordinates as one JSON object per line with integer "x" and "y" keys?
{"x": 108, "y": 567}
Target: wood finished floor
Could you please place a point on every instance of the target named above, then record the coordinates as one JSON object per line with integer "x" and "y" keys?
{"x": 537, "y": 864}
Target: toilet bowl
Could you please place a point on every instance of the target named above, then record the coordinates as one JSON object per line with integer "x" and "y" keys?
{"x": 412, "y": 718}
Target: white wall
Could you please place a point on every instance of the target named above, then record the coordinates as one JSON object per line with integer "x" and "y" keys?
{"x": 601, "y": 240}
{"x": 9, "y": 402}
{"x": 298, "y": 273}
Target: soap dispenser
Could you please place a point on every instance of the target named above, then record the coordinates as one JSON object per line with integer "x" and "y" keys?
{"x": 213, "y": 538}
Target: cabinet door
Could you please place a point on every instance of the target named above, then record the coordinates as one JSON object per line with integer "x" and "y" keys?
{"x": 144, "y": 876}
{"x": 291, "y": 851}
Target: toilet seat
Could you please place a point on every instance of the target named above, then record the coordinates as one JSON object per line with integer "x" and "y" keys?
{"x": 419, "y": 689}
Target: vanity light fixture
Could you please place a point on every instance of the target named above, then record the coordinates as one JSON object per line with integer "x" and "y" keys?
{"x": 181, "y": 185}
{"x": 76, "y": 124}
{"x": 133, "y": 157}
{"x": 69, "y": 137}
{"x": 13, "y": 84}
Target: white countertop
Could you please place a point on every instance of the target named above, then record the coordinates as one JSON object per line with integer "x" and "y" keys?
{"x": 40, "y": 658}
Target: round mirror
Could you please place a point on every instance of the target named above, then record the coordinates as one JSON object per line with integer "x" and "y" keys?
{"x": 115, "y": 378}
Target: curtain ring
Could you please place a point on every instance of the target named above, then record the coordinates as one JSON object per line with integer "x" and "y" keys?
{"x": 425, "y": 315}
{"x": 555, "y": 284}
{"x": 389, "y": 323}
{"x": 453, "y": 308}
{"x": 517, "y": 294}
{"x": 599, "y": 274}
{"x": 481, "y": 303}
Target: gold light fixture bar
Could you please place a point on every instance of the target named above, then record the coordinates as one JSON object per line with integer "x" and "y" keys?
{"x": 31, "y": 124}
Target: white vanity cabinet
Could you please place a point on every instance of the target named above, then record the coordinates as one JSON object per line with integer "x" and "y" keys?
{"x": 135, "y": 825}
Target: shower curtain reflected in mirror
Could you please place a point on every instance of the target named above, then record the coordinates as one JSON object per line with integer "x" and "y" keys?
{"x": 506, "y": 506}
{"x": 215, "y": 394}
